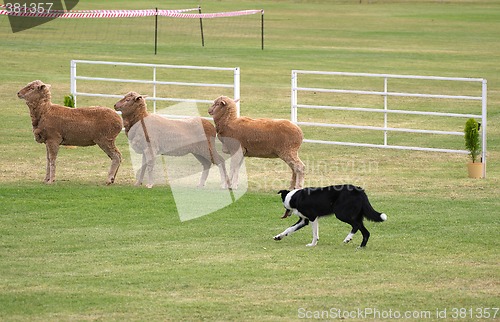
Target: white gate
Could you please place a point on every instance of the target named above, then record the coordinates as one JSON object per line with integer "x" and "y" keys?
{"x": 155, "y": 82}
{"x": 385, "y": 94}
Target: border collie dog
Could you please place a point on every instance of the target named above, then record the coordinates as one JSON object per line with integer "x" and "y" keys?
{"x": 349, "y": 204}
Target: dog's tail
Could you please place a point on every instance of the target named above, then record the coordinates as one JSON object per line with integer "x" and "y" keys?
{"x": 370, "y": 213}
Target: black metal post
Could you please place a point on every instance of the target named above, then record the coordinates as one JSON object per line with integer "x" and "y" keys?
{"x": 201, "y": 28}
{"x": 156, "y": 31}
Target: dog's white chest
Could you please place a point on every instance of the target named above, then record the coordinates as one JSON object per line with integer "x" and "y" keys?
{"x": 298, "y": 213}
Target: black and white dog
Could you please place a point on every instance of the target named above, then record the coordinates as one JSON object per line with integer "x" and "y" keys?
{"x": 349, "y": 204}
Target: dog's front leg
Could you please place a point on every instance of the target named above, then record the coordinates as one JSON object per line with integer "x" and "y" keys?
{"x": 315, "y": 232}
{"x": 299, "y": 224}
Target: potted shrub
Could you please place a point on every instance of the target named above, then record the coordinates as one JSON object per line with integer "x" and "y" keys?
{"x": 69, "y": 101}
{"x": 472, "y": 144}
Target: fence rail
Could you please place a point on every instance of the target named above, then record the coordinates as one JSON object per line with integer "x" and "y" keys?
{"x": 235, "y": 85}
{"x": 295, "y": 106}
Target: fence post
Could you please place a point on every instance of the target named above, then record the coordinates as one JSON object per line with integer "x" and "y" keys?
{"x": 385, "y": 109}
{"x": 237, "y": 89}
{"x": 154, "y": 89}
{"x": 294, "y": 96}
{"x": 262, "y": 29}
{"x": 483, "y": 120}
{"x": 73, "y": 80}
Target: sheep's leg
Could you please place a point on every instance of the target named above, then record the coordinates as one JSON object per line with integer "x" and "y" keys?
{"x": 47, "y": 167}
{"x": 52, "y": 150}
{"x": 221, "y": 164}
{"x": 142, "y": 170}
{"x": 115, "y": 165}
{"x": 236, "y": 162}
{"x": 217, "y": 159}
{"x": 297, "y": 167}
{"x": 150, "y": 166}
{"x": 294, "y": 180}
{"x": 116, "y": 158}
{"x": 232, "y": 146}
{"x": 224, "y": 179}
{"x": 299, "y": 174}
{"x": 298, "y": 170}
{"x": 290, "y": 163}
{"x": 206, "y": 169}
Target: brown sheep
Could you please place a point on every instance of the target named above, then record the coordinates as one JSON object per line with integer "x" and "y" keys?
{"x": 263, "y": 138}
{"x": 57, "y": 125}
{"x": 151, "y": 134}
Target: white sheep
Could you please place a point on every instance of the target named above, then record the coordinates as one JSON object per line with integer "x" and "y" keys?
{"x": 263, "y": 138}
{"x": 151, "y": 135}
{"x": 57, "y": 125}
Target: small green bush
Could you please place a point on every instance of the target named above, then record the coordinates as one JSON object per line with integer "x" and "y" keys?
{"x": 69, "y": 101}
{"x": 471, "y": 133}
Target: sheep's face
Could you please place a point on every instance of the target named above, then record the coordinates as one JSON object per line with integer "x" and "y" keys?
{"x": 220, "y": 106}
{"x": 36, "y": 90}
{"x": 131, "y": 103}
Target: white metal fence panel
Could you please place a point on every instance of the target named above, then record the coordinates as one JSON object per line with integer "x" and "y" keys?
{"x": 155, "y": 82}
{"x": 295, "y": 106}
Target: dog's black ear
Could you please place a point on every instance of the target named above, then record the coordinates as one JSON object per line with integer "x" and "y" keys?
{"x": 283, "y": 194}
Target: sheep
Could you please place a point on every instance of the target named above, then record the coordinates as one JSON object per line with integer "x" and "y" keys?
{"x": 151, "y": 134}
{"x": 263, "y": 138}
{"x": 57, "y": 125}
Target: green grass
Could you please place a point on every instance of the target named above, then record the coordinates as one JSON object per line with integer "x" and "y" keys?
{"x": 86, "y": 258}
{"x": 79, "y": 250}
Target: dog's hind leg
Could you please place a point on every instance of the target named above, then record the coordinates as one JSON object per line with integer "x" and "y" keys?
{"x": 366, "y": 235}
{"x": 315, "y": 231}
{"x": 298, "y": 225}
{"x": 349, "y": 236}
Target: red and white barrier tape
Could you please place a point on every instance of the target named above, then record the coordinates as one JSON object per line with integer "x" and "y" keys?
{"x": 28, "y": 12}
{"x": 89, "y": 14}
{"x": 169, "y": 13}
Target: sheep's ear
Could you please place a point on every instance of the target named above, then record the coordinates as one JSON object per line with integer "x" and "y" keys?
{"x": 43, "y": 86}
{"x": 236, "y": 101}
{"x": 140, "y": 96}
{"x": 223, "y": 102}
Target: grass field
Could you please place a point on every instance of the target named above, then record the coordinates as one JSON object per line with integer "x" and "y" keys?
{"x": 80, "y": 250}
